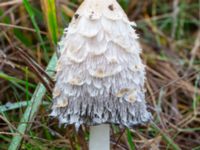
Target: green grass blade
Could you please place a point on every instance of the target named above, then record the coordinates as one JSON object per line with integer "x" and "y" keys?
{"x": 27, "y": 83}
{"x": 166, "y": 137}
{"x": 195, "y": 99}
{"x": 49, "y": 10}
{"x": 130, "y": 140}
{"x": 31, "y": 111}
{"x": 15, "y": 80}
{"x": 32, "y": 16}
{"x": 12, "y": 106}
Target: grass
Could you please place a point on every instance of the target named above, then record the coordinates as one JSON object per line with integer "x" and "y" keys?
{"x": 31, "y": 110}
{"x": 49, "y": 10}
{"x": 170, "y": 38}
{"x": 130, "y": 140}
{"x": 34, "y": 22}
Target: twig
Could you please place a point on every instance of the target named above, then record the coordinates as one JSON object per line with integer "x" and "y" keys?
{"x": 20, "y": 27}
{"x": 10, "y": 3}
{"x": 117, "y": 142}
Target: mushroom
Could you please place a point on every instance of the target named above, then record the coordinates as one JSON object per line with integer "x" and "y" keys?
{"x": 100, "y": 75}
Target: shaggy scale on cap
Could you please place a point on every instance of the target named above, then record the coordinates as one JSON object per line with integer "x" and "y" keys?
{"x": 100, "y": 76}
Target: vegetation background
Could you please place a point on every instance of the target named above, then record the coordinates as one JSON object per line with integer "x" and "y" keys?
{"x": 170, "y": 37}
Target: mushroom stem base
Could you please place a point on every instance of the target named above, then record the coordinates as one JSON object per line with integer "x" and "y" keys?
{"x": 99, "y": 137}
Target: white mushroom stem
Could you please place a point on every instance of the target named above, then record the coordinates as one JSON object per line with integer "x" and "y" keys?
{"x": 99, "y": 137}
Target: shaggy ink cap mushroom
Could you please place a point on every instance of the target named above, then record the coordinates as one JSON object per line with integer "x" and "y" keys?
{"x": 100, "y": 76}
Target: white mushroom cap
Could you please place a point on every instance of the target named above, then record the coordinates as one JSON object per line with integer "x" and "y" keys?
{"x": 95, "y": 9}
{"x": 100, "y": 75}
